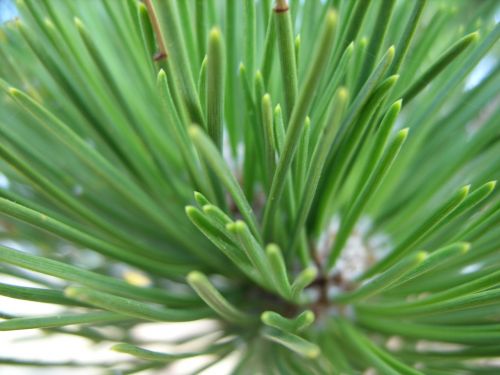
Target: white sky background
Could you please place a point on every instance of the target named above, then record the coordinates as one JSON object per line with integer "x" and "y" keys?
{"x": 32, "y": 344}
{"x": 7, "y": 10}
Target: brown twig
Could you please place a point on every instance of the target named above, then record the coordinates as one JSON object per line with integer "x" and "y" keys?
{"x": 162, "y": 53}
{"x": 281, "y": 6}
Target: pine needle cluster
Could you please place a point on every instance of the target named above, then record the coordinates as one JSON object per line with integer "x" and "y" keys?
{"x": 316, "y": 177}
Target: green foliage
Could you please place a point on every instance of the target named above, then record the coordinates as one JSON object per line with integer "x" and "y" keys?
{"x": 242, "y": 160}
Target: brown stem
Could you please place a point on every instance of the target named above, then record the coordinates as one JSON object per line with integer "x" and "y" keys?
{"x": 281, "y": 6}
{"x": 162, "y": 53}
